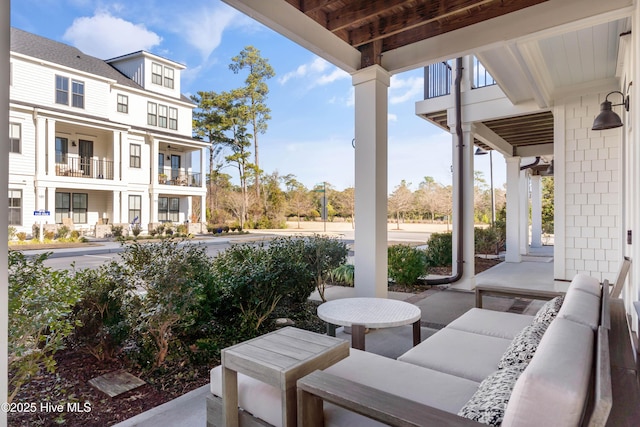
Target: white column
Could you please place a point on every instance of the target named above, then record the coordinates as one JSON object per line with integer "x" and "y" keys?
{"x": 371, "y": 85}
{"x": 153, "y": 207}
{"x": 41, "y": 146}
{"x": 513, "y": 210}
{"x": 203, "y": 180}
{"x": 465, "y": 162}
{"x": 41, "y": 200}
{"x": 155, "y": 149}
{"x": 524, "y": 212}
{"x": 117, "y": 142}
{"x": 50, "y": 145}
{"x": 189, "y": 209}
{"x": 203, "y": 208}
{"x": 115, "y": 215}
{"x": 536, "y": 211}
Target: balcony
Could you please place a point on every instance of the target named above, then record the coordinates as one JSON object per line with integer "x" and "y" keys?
{"x": 437, "y": 78}
{"x": 83, "y": 167}
{"x": 180, "y": 178}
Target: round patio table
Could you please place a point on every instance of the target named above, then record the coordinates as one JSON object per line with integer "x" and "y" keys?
{"x": 362, "y": 313}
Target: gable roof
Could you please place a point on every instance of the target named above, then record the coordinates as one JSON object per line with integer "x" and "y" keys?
{"x": 62, "y": 54}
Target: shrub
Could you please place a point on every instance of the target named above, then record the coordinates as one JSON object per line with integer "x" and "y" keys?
{"x": 75, "y": 235}
{"x": 116, "y": 230}
{"x": 63, "y": 232}
{"x": 40, "y": 301}
{"x": 49, "y": 235}
{"x": 343, "y": 275}
{"x": 323, "y": 254}
{"x": 182, "y": 229}
{"x": 136, "y": 230}
{"x": 486, "y": 240}
{"x": 22, "y": 236}
{"x": 11, "y": 233}
{"x": 439, "y": 250}
{"x": 406, "y": 264}
{"x": 35, "y": 231}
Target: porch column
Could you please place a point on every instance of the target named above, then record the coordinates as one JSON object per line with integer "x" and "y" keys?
{"x": 41, "y": 199}
{"x": 50, "y": 204}
{"x": 536, "y": 211}
{"x": 203, "y": 207}
{"x": 371, "y": 85}
{"x": 467, "y": 281}
{"x": 41, "y": 146}
{"x": 115, "y": 214}
{"x": 513, "y": 210}
{"x": 153, "y": 207}
{"x": 117, "y": 143}
{"x": 189, "y": 209}
{"x": 203, "y": 180}
{"x": 50, "y": 146}
{"x": 524, "y": 212}
{"x": 155, "y": 150}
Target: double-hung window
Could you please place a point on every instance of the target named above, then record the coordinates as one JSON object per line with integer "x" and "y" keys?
{"x": 135, "y": 155}
{"x": 162, "y": 116}
{"x": 152, "y": 113}
{"x": 135, "y": 209}
{"x": 15, "y": 137}
{"x": 62, "y": 90}
{"x": 80, "y": 208}
{"x": 63, "y": 206}
{"x": 173, "y": 118}
{"x": 123, "y": 104}
{"x": 156, "y": 73}
{"x": 168, "y": 77}
{"x": 168, "y": 209}
{"x": 77, "y": 90}
{"x": 15, "y": 207}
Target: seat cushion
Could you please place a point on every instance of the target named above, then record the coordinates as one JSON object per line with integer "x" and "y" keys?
{"x": 493, "y": 323}
{"x": 463, "y": 354}
{"x": 489, "y": 402}
{"x": 556, "y": 379}
{"x": 581, "y": 307}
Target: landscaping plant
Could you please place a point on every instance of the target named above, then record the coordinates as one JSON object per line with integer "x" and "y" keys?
{"x": 406, "y": 264}
{"x": 439, "y": 250}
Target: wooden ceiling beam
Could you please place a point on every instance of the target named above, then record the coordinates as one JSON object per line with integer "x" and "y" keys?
{"x": 423, "y": 13}
{"x": 364, "y": 10}
{"x": 435, "y": 28}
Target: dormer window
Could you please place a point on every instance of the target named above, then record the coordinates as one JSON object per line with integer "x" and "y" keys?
{"x": 156, "y": 73}
{"x": 168, "y": 77}
{"x": 62, "y": 92}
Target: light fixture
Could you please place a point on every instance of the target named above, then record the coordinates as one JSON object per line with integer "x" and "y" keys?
{"x": 481, "y": 151}
{"x": 73, "y": 143}
{"x": 608, "y": 119}
{"x": 168, "y": 157}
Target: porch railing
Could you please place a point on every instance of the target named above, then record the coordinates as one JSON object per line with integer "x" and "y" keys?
{"x": 185, "y": 179}
{"x": 437, "y": 78}
{"x": 85, "y": 168}
{"x": 481, "y": 77}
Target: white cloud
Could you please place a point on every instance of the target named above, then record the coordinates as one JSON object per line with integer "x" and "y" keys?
{"x": 403, "y": 90}
{"x": 392, "y": 117}
{"x": 106, "y": 36}
{"x": 318, "y": 72}
{"x": 203, "y": 27}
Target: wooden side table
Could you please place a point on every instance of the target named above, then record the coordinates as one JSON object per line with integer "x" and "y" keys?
{"x": 279, "y": 359}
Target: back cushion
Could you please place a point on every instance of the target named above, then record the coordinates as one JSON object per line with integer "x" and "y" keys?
{"x": 586, "y": 283}
{"x": 553, "y": 388}
{"x": 581, "y": 307}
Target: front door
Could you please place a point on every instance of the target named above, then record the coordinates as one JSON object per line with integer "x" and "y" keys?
{"x": 86, "y": 157}
{"x": 175, "y": 167}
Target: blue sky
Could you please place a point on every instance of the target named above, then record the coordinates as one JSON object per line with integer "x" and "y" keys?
{"x": 311, "y": 100}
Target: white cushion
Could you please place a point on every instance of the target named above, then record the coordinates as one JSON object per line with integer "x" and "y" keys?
{"x": 433, "y": 388}
{"x": 493, "y": 323}
{"x": 581, "y": 307}
{"x": 586, "y": 283}
{"x": 459, "y": 353}
{"x": 488, "y": 403}
{"x": 553, "y": 388}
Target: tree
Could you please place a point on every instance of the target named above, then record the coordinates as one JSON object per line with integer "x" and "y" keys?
{"x": 298, "y": 197}
{"x": 255, "y": 93}
{"x": 425, "y": 197}
{"x": 345, "y": 202}
{"x": 547, "y": 204}
{"x": 400, "y": 201}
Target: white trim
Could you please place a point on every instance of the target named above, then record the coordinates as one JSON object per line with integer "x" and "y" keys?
{"x": 559, "y": 183}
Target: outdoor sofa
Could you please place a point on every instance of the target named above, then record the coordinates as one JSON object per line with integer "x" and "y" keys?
{"x": 554, "y": 370}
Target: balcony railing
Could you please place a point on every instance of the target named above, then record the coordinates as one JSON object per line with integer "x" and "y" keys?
{"x": 437, "y": 78}
{"x": 481, "y": 77}
{"x": 84, "y": 167}
{"x": 184, "y": 179}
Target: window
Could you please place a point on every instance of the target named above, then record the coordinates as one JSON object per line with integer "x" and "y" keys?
{"x": 62, "y": 90}
{"x": 173, "y": 118}
{"x": 63, "y": 206}
{"x": 80, "y": 203}
{"x": 15, "y": 207}
{"x": 168, "y": 77}
{"x": 62, "y": 145}
{"x": 123, "y": 104}
{"x": 135, "y": 151}
{"x": 162, "y": 116}
{"x": 135, "y": 209}
{"x": 14, "y": 137}
{"x": 168, "y": 209}
{"x": 152, "y": 113}
{"x": 156, "y": 73}
{"x": 161, "y": 162}
{"x": 77, "y": 89}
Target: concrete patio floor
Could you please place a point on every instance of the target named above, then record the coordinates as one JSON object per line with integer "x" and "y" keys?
{"x": 439, "y": 306}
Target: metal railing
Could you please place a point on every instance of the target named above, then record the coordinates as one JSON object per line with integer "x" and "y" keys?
{"x": 437, "y": 79}
{"x": 84, "y": 167}
{"x": 177, "y": 177}
{"x": 481, "y": 77}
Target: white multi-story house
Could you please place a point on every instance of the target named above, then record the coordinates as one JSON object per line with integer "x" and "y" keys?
{"x": 99, "y": 141}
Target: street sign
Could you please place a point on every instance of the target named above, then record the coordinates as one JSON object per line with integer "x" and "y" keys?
{"x": 41, "y": 212}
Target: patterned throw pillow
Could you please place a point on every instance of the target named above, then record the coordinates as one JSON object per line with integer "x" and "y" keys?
{"x": 489, "y": 402}
{"x": 523, "y": 347}
{"x": 549, "y": 310}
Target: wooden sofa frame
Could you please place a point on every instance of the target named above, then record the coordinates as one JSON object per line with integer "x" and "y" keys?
{"x": 613, "y": 399}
